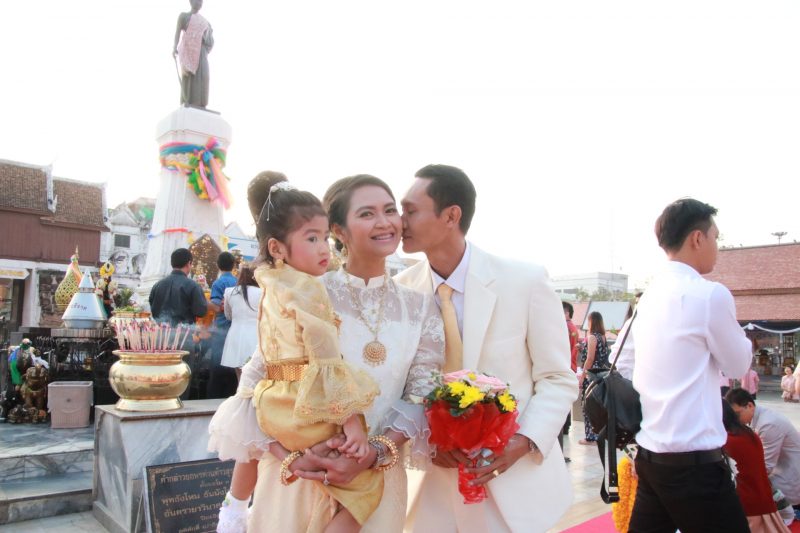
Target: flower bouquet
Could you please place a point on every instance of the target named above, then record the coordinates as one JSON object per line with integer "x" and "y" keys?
{"x": 474, "y": 413}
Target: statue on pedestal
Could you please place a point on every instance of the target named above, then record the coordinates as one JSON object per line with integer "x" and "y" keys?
{"x": 34, "y": 392}
{"x": 193, "y": 41}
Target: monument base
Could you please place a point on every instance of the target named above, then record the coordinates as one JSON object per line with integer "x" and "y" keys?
{"x": 179, "y": 212}
{"x": 126, "y": 442}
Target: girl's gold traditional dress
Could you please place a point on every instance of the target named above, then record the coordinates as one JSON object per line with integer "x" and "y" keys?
{"x": 309, "y": 390}
{"x": 411, "y": 330}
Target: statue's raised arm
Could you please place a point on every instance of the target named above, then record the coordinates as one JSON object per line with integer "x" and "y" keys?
{"x": 193, "y": 41}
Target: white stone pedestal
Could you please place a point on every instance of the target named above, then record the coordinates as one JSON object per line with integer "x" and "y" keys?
{"x": 126, "y": 442}
{"x": 177, "y": 206}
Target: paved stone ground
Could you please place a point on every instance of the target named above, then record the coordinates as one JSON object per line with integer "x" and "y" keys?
{"x": 585, "y": 470}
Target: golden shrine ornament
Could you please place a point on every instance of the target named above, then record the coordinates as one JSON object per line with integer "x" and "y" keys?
{"x": 374, "y": 353}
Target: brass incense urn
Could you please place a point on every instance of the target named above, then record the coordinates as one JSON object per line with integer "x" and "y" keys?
{"x": 149, "y": 381}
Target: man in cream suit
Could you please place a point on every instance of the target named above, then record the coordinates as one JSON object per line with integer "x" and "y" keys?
{"x": 512, "y": 326}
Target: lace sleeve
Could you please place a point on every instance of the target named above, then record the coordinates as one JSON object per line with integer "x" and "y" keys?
{"x": 430, "y": 353}
{"x": 407, "y": 415}
{"x": 233, "y": 431}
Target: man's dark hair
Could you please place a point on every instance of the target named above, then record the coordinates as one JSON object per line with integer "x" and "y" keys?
{"x": 679, "y": 219}
{"x": 568, "y": 308}
{"x": 226, "y": 261}
{"x": 450, "y": 186}
{"x": 739, "y": 397}
{"x": 180, "y": 258}
{"x": 732, "y": 423}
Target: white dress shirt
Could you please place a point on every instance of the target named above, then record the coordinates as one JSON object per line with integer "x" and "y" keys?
{"x": 457, "y": 281}
{"x": 686, "y": 334}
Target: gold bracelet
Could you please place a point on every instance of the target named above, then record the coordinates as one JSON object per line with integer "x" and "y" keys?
{"x": 392, "y": 449}
{"x": 286, "y": 476}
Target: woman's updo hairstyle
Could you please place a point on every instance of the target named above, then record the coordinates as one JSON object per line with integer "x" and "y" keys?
{"x": 337, "y": 199}
{"x": 282, "y": 211}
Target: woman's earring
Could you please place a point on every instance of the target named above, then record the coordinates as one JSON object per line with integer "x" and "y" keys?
{"x": 344, "y": 251}
{"x": 279, "y": 263}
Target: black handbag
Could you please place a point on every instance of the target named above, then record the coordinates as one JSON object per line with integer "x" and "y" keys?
{"x": 615, "y": 412}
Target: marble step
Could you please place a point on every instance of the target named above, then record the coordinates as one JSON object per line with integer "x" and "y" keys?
{"x": 27, "y": 466}
{"x": 45, "y": 496}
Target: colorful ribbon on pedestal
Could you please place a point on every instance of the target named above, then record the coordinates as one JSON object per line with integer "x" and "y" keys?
{"x": 202, "y": 166}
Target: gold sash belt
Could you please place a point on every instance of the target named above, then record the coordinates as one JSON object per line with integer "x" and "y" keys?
{"x": 286, "y": 371}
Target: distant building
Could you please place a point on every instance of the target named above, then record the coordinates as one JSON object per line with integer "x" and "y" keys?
{"x": 43, "y": 220}
{"x": 125, "y": 246}
{"x": 765, "y": 283}
{"x": 239, "y": 241}
{"x": 590, "y": 283}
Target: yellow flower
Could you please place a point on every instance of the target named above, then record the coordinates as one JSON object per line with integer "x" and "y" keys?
{"x": 457, "y": 388}
{"x": 472, "y": 376}
{"x": 439, "y": 392}
{"x": 507, "y": 401}
{"x": 471, "y": 395}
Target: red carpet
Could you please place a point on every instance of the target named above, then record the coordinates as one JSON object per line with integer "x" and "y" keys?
{"x": 600, "y": 524}
{"x": 605, "y": 524}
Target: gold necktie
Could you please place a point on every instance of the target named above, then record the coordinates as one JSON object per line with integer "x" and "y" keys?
{"x": 453, "y": 347}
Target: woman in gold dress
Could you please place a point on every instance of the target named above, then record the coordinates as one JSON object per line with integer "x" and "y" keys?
{"x": 392, "y": 333}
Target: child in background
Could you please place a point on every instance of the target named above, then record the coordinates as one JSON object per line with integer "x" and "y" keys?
{"x": 787, "y": 385}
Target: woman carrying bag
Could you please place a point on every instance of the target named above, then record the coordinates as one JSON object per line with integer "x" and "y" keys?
{"x": 596, "y": 359}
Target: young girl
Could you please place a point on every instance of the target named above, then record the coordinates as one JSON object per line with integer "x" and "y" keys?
{"x": 241, "y": 308}
{"x": 310, "y": 394}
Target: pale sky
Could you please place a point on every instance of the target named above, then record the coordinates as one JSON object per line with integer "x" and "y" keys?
{"x": 577, "y": 121}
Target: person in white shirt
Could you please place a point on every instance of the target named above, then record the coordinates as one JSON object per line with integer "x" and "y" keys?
{"x": 686, "y": 334}
{"x": 241, "y": 304}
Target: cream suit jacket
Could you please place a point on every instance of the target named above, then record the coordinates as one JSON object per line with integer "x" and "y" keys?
{"x": 514, "y": 328}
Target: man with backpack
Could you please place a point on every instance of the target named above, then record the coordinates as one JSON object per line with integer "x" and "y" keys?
{"x": 686, "y": 334}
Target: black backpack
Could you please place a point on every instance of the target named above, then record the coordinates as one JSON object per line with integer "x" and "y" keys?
{"x": 615, "y": 412}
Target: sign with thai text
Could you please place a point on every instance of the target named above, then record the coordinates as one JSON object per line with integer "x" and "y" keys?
{"x": 186, "y": 497}
{"x": 13, "y": 273}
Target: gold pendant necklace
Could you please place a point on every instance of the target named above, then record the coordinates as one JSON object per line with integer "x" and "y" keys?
{"x": 374, "y": 352}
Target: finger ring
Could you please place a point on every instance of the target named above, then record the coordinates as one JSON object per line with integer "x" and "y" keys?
{"x": 326, "y": 482}
{"x": 495, "y": 472}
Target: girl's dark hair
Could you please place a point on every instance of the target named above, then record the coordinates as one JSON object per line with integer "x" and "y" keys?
{"x": 596, "y": 323}
{"x": 732, "y": 423}
{"x": 282, "y": 211}
{"x": 337, "y": 198}
{"x": 257, "y": 193}
{"x": 246, "y": 279}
